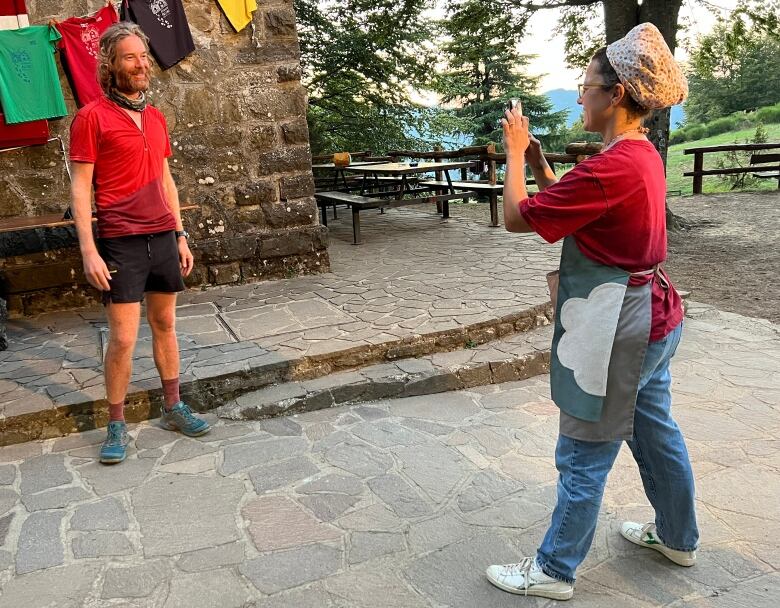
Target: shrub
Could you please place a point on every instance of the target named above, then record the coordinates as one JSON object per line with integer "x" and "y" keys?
{"x": 769, "y": 114}
{"x": 693, "y": 132}
{"x": 722, "y": 125}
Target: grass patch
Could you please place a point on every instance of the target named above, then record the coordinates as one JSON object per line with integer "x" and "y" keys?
{"x": 678, "y": 163}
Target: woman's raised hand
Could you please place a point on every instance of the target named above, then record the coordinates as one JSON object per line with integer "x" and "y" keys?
{"x": 516, "y": 135}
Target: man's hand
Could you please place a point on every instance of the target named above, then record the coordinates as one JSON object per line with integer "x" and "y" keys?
{"x": 186, "y": 260}
{"x": 96, "y": 271}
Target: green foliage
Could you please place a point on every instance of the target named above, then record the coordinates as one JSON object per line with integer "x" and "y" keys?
{"x": 739, "y": 158}
{"x": 726, "y": 124}
{"x": 361, "y": 59}
{"x": 576, "y": 132}
{"x": 485, "y": 69}
{"x": 770, "y": 114}
{"x": 736, "y": 67}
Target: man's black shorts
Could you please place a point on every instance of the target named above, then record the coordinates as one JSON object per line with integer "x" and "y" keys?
{"x": 141, "y": 263}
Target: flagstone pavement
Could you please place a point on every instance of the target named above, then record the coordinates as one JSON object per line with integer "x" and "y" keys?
{"x": 400, "y": 503}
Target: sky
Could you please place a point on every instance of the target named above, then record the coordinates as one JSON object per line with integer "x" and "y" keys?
{"x": 552, "y": 63}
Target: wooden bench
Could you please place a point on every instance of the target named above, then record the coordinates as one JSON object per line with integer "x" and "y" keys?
{"x": 699, "y": 172}
{"x": 492, "y": 190}
{"x": 361, "y": 203}
{"x": 759, "y": 161}
{"x": 47, "y": 220}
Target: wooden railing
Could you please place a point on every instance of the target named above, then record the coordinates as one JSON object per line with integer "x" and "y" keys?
{"x": 699, "y": 171}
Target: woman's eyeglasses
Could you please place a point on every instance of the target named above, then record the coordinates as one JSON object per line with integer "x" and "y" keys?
{"x": 584, "y": 86}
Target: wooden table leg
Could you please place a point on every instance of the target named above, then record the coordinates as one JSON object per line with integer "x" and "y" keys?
{"x": 324, "y": 210}
{"x": 356, "y": 226}
{"x": 494, "y": 209}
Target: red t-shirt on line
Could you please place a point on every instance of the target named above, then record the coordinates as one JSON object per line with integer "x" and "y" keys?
{"x": 614, "y": 204}
{"x": 129, "y": 194}
{"x": 79, "y": 48}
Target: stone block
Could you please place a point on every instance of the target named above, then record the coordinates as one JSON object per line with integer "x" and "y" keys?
{"x": 221, "y": 588}
{"x": 212, "y": 557}
{"x": 222, "y": 274}
{"x": 106, "y": 514}
{"x": 279, "y": 22}
{"x": 295, "y": 132}
{"x": 296, "y": 186}
{"x": 168, "y": 531}
{"x": 288, "y": 73}
{"x": 133, "y": 581}
{"x": 264, "y": 137}
{"x": 281, "y": 570}
{"x": 273, "y": 476}
{"x": 44, "y": 472}
{"x": 284, "y": 160}
{"x": 40, "y": 545}
{"x": 299, "y": 212}
{"x": 51, "y": 587}
{"x": 276, "y": 522}
{"x": 275, "y": 51}
{"x": 364, "y": 546}
{"x": 260, "y": 192}
{"x": 101, "y": 544}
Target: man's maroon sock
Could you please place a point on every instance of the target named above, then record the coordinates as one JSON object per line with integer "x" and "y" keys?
{"x": 116, "y": 412}
{"x": 171, "y": 392}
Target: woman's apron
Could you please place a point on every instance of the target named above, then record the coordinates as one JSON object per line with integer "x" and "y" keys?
{"x": 602, "y": 329}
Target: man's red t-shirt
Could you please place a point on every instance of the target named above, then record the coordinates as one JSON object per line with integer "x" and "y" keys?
{"x": 79, "y": 48}
{"x": 614, "y": 204}
{"x": 128, "y": 161}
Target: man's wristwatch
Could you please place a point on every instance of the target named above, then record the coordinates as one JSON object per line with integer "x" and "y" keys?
{"x": 182, "y": 233}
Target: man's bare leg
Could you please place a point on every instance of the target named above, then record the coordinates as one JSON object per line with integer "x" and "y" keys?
{"x": 161, "y": 315}
{"x": 123, "y": 321}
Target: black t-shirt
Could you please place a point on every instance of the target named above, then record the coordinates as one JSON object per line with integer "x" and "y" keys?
{"x": 165, "y": 23}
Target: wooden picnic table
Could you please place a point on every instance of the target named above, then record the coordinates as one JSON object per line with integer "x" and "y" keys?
{"x": 394, "y": 197}
{"x": 339, "y": 171}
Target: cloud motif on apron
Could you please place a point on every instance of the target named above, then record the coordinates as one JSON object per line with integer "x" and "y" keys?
{"x": 589, "y": 331}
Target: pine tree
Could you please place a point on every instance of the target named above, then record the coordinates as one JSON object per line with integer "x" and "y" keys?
{"x": 484, "y": 68}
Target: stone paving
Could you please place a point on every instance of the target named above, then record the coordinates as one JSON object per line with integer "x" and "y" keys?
{"x": 415, "y": 277}
{"x": 398, "y": 503}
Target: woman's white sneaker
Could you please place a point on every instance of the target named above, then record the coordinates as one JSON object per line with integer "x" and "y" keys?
{"x": 527, "y": 578}
{"x": 645, "y": 535}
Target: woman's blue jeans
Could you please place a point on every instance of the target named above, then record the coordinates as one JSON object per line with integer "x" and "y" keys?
{"x": 659, "y": 450}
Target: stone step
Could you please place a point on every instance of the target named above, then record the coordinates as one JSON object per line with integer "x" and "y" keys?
{"x": 514, "y": 357}
{"x": 215, "y": 375}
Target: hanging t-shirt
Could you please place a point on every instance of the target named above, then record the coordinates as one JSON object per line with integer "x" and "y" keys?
{"x": 238, "y": 12}
{"x": 79, "y": 48}
{"x": 29, "y": 83}
{"x": 13, "y": 15}
{"x": 165, "y": 23}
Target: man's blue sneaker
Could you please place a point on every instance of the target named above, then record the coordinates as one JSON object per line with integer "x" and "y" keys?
{"x": 114, "y": 448}
{"x": 181, "y": 418}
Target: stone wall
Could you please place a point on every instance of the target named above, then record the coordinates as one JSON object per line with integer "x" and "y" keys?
{"x": 236, "y": 111}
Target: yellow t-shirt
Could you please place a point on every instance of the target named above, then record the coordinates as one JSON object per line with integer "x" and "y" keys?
{"x": 238, "y": 12}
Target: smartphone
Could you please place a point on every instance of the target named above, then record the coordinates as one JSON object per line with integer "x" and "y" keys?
{"x": 515, "y": 103}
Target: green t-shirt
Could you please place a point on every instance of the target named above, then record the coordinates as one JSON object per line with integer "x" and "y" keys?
{"x": 29, "y": 84}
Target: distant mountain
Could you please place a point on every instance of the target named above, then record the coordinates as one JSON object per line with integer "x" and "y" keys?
{"x": 563, "y": 99}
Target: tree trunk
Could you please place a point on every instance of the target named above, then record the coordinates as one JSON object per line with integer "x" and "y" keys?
{"x": 620, "y": 16}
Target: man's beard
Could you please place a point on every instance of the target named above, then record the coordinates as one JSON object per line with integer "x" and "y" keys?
{"x": 127, "y": 85}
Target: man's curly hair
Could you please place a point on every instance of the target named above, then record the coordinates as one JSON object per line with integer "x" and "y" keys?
{"x": 107, "y": 54}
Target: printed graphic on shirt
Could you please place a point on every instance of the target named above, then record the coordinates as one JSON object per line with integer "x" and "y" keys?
{"x": 162, "y": 11}
{"x": 91, "y": 39}
{"x": 22, "y": 63}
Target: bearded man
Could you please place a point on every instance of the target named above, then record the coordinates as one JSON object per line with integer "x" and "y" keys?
{"x": 120, "y": 147}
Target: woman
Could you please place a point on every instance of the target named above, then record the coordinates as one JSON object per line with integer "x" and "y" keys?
{"x": 618, "y": 318}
